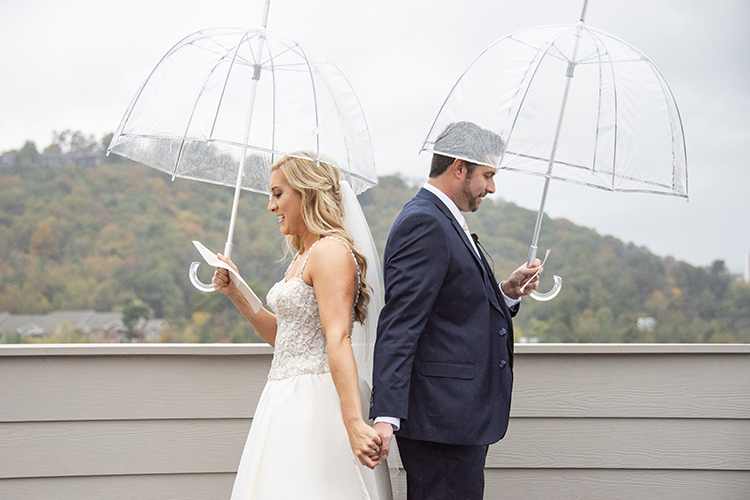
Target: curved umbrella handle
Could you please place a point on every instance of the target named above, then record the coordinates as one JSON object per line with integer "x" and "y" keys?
{"x": 198, "y": 283}
{"x": 544, "y": 297}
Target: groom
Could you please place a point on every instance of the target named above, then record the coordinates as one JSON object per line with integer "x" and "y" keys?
{"x": 444, "y": 350}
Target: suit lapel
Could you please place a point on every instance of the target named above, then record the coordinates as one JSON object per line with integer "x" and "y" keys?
{"x": 487, "y": 275}
{"x": 499, "y": 301}
{"x": 423, "y": 193}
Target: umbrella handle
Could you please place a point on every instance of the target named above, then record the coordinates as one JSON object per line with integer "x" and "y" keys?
{"x": 544, "y": 297}
{"x": 198, "y": 283}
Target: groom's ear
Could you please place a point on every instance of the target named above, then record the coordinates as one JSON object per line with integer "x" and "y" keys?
{"x": 458, "y": 169}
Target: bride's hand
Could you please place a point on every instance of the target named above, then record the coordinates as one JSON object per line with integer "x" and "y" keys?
{"x": 365, "y": 443}
{"x": 221, "y": 279}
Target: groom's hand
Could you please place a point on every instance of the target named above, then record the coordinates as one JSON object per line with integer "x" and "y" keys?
{"x": 385, "y": 431}
{"x": 516, "y": 285}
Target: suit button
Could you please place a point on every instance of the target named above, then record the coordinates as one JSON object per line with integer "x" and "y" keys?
{"x": 503, "y": 331}
{"x": 502, "y": 364}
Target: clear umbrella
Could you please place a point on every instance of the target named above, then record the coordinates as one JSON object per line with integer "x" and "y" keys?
{"x": 575, "y": 104}
{"x": 223, "y": 104}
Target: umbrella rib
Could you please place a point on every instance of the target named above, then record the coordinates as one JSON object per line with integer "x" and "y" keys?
{"x": 550, "y": 45}
{"x": 665, "y": 86}
{"x": 192, "y": 115}
{"x": 292, "y": 66}
{"x": 223, "y": 48}
{"x": 616, "y": 126}
{"x": 595, "y": 35}
{"x": 599, "y": 57}
{"x": 315, "y": 101}
{"x": 559, "y": 55}
{"x": 244, "y": 39}
{"x": 666, "y": 91}
{"x": 212, "y": 141}
{"x": 271, "y": 59}
{"x": 226, "y": 48}
{"x": 546, "y": 160}
{"x": 599, "y": 186}
{"x": 368, "y": 182}
{"x": 460, "y": 78}
{"x": 129, "y": 112}
{"x": 359, "y": 176}
{"x": 590, "y": 60}
{"x": 580, "y": 167}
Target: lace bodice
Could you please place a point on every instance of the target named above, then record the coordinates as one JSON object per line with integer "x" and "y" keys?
{"x": 300, "y": 346}
{"x": 300, "y": 343}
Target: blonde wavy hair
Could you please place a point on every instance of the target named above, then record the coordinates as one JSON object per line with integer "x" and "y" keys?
{"x": 318, "y": 183}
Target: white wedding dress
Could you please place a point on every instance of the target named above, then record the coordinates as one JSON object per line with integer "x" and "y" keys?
{"x": 298, "y": 447}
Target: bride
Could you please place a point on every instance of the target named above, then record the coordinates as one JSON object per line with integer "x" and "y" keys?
{"x": 308, "y": 437}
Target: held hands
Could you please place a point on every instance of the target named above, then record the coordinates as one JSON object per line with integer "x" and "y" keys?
{"x": 221, "y": 279}
{"x": 365, "y": 443}
{"x": 512, "y": 287}
{"x": 385, "y": 431}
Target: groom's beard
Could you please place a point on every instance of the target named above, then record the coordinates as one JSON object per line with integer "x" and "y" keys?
{"x": 472, "y": 200}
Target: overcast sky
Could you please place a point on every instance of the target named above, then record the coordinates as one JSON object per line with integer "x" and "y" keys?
{"x": 76, "y": 64}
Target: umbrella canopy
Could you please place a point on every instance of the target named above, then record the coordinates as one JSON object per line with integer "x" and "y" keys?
{"x": 574, "y": 104}
{"x": 223, "y": 94}
{"x": 620, "y": 131}
{"x": 225, "y": 103}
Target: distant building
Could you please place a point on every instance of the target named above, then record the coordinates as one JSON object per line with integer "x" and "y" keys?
{"x": 150, "y": 329}
{"x": 646, "y": 323}
{"x": 8, "y": 159}
{"x": 747, "y": 267}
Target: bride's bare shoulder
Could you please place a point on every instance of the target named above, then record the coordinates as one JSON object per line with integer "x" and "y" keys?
{"x": 331, "y": 254}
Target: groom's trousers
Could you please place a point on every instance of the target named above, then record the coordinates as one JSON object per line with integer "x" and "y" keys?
{"x": 437, "y": 471}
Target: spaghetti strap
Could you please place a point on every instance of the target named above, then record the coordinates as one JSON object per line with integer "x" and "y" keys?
{"x": 304, "y": 263}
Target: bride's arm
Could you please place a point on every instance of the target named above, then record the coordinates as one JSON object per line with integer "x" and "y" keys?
{"x": 263, "y": 321}
{"x": 333, "y": 274}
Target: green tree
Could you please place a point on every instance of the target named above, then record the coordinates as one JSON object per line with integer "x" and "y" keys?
{"x": 75, "y": 142}
{"x": 28, "y": 152}
{"x": 133, "y": 311}
{"x": 43, "y": 240}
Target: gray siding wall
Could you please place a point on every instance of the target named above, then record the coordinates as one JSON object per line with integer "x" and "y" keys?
{"x": 169, "y": 422}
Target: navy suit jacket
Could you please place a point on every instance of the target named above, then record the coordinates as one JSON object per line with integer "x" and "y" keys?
{"x": 444, "y": 349}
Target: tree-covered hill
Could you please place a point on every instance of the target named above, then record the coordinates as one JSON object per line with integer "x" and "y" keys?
{"x": 79, "y": 235}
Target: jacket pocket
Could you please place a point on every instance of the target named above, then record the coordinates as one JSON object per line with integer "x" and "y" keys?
{"x": 447, "y": 370}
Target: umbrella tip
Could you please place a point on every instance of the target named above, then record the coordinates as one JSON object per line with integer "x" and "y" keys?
{"x": 265, "y": 14}
{"x": 583, "y": 12}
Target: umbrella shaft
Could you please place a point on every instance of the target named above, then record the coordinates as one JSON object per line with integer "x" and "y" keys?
{"x": 265, "y": 14}
{"x": 569, "y": 79}
{"x": 538, "y": 227}
{"x": 243, "y": 152}
{"x": 548, "y": 176}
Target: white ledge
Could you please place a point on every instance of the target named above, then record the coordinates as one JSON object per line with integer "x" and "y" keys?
{"x": 134, "y": 349}
{"x": 521, "y": 348}
{"x": 17, "y": 350}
